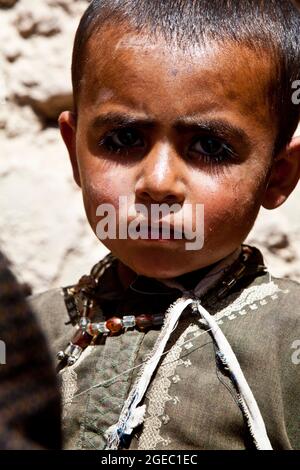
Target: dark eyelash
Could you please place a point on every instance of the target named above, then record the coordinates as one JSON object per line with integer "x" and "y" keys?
{"x": 107, "y": 136}
{"x": 221, "y": 158}
{"x": 228, "y": 153}
{"x": 103, "y": 141}
{"x": 220, "y": 163}
{"x": 227, "y": 156}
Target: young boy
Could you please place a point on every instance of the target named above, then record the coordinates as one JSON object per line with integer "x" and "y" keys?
{"x": 187, "y": 103}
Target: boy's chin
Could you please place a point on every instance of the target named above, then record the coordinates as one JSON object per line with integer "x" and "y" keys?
{"x": 164, "y": 263}
{"x": 157, "y": 268}
{"x": 154, "y": 263}
{"x": 161, "y": 274}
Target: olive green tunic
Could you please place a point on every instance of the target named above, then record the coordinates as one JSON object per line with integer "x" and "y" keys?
{"x": 190, "y": 402}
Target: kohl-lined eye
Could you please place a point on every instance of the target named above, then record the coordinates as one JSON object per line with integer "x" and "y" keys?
{"x": 212, "y": 149}
{"x": 122, "y": 139}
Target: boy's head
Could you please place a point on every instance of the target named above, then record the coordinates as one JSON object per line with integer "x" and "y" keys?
{"x": 185, "y": 102}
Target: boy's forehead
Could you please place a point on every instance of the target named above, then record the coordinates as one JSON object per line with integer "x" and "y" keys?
{"x": 165, "y": 81}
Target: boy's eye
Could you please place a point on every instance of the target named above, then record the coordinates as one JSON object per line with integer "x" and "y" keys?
{"x": 212, "y": 149}
{"x": 208, "y": 145}
{"x": 122, "y": 139}
{"x": 208, "y": 148}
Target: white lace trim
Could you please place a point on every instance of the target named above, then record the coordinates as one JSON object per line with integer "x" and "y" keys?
{"x": 158, "y": 394}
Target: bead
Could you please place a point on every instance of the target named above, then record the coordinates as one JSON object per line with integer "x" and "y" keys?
{"x": 82, "y": 339}
{"x": 101, "y": 327}
{"x": 158, "y": 319}
{"x": 87, "y": 284}
{"x": 128, "y": 321}
{"x": 85, "y": 308}
{"x": 92, "y": 329}
{"x": 71, "y": 360}
{"x": 144, "y": 321}
{"x": 83, "y": 324}
{"x": 69, "y": 349}
{"x": 114, "y": 324}
{"x": 73, "y": 352}
{"x": 60, "y": 355}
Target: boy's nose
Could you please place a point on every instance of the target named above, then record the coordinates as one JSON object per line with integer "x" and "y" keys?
{"x": 161, "y": 177}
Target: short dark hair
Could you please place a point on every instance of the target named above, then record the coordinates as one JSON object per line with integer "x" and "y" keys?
{"x": 266, "y": 26}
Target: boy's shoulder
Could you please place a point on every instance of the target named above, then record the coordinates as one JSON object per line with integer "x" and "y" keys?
{"x": 275, "y": 298}
{"x": 283, "y": 285}
{"x": 287, "y": 299}
{"x": 287, "y": 283}
{"x": 287, "y": 294}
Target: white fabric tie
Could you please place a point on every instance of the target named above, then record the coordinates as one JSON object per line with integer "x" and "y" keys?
{"x": 246, "y": 398}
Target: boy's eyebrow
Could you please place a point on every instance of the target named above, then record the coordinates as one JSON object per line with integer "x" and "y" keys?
{"x": 217, "y": 127}
{"x": 120, "y": 119}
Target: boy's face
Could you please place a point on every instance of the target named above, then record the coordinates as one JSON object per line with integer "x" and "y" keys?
{"x": 199, "y": 132}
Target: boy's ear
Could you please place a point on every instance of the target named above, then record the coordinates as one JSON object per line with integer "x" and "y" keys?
{"x": 284, "y": 175}
{"x": 67, "y": 125}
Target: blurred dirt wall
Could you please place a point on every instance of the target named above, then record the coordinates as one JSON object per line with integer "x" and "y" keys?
{"x": 43, "y": 225}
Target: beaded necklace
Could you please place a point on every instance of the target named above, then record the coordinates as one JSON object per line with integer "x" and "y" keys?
{"x": 81, "y": 298}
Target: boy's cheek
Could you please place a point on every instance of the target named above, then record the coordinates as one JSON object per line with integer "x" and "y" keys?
{"x": 102, "y": 193}
{"x": 100, "y": 185}
{"x": 233, "y": 209}
{"x": 223, "y": 220}
{"x": 95, "y": 196}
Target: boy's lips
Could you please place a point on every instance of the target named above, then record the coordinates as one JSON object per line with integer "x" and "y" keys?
{"x": 163, "y": 234}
